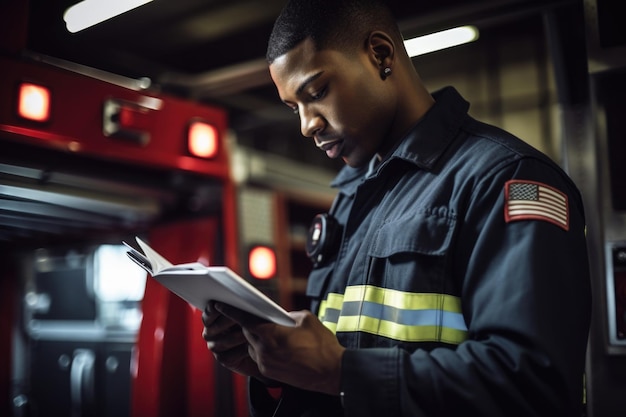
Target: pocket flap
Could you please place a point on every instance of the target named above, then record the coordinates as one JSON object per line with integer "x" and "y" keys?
{"x": 424, "y": 232}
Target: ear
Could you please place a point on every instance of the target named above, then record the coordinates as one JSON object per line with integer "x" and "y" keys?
{"x": 381, "y": 49}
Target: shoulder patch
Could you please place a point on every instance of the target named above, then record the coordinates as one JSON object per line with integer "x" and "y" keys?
{"x": 530, "y": 200}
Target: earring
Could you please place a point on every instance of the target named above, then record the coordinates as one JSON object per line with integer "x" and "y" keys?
{"x": 386, "y": 72}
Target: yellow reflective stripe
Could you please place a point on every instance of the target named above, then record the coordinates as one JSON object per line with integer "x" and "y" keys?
{"x": 399, "y": 299}
{"x": 396, "y": 331}
{"x": 392, "y": 298}
{"x": 334, "y": 301}
{"x": 427, "y": 316}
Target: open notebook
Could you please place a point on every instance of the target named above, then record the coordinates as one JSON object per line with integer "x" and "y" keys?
{"x": 198, "y": 284}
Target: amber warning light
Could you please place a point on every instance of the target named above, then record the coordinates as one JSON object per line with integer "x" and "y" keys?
{"x": 262, "y": 262}
{"x": 202, "y": 139}
{"x": 33, "y": 102}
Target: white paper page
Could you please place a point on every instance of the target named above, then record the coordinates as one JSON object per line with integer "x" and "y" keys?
{"x": 198, "y": 287}
{"x": 158, "y": 262}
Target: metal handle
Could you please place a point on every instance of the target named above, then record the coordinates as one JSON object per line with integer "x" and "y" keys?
{"x": 82, "y": 381}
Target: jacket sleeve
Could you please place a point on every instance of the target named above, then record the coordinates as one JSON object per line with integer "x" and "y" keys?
{"x": 292, "y": 402}
{"x": 260, "y": 402}
{"x": 526, "y": 301}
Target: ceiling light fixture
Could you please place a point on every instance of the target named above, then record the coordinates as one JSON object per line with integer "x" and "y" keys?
{"x": 91, "y": 12}
{"x": 441, "y": 40}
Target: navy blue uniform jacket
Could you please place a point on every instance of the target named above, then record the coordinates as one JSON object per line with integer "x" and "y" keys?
{"x": 461, "y": 284}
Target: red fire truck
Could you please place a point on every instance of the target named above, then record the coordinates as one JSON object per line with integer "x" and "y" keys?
{"x": 88, "y": 160}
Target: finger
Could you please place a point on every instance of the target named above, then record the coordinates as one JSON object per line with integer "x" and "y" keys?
{"x": 244, "y": 319}
{"x": 251, "y": 335}
{"x": 210, "y": 314}
{"x": 233, "y": 358}
{"x": 252, "y": 353}
{"x": 221, "y": 325}
{"x": 227, "y": 342}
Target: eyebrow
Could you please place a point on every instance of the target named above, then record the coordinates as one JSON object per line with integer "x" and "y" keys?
{"x": 307, "y": 82}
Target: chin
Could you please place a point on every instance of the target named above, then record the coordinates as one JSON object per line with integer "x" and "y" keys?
{"x": 354, "y": 163}
{"x": 357, "y": 159}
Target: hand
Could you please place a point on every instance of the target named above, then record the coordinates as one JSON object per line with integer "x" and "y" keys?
{"x": 226, "y": 341}
{"x": 306, "y": 356}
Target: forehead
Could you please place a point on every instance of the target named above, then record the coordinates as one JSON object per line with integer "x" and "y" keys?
{"x": 291, "y": 70}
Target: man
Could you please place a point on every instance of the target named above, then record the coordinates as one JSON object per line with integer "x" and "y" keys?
{"x": 459, "y": 284}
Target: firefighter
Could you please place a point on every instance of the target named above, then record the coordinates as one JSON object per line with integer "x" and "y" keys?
{"x": 458, "y": 280}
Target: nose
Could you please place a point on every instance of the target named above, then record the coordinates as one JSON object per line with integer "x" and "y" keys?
{"x": 311, "y": 122}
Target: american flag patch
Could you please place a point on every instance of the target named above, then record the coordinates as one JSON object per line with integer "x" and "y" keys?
{"x": 528, "y": 200}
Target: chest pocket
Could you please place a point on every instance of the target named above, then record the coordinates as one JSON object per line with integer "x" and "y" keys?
{"x": 408, "y": 297}
{"x": 409, "y": 254}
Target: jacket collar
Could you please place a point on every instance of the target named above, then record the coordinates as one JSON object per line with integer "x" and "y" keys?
{"x": 425, "y": 142}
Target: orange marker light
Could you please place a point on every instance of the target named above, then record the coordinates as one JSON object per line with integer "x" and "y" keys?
{"x": 34, "y": 102}
{"x": 262, "y": 262}
{"x": 202, "y": 140}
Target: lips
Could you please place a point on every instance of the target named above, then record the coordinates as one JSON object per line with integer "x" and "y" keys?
{"x": 332, "y": 148}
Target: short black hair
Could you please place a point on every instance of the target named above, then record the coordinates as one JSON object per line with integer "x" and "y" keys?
{"x": 335, "y": 24}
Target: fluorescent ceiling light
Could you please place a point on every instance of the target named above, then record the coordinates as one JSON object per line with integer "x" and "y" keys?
{"x": 91, "y": 12}
{"x": 441, "y": 40}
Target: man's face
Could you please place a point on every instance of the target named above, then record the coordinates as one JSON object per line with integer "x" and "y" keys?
{"x": 342, "y": 101}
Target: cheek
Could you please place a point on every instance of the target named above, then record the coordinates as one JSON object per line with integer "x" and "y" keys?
{"x": 369, "y": 120}
{"x": 361, "y": 113}
{"x": 355, "y": 112}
